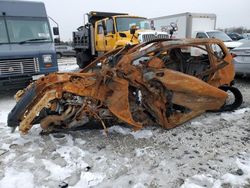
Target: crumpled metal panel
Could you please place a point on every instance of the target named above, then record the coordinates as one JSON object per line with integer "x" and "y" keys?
{"x": 138, "y": 85}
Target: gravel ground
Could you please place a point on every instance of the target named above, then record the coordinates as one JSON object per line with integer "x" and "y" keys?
{"x": 212, "y": 150}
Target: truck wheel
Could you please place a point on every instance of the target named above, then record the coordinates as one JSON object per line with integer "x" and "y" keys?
{"x": 58, "y": 55}
{"x": 83, "y": 59}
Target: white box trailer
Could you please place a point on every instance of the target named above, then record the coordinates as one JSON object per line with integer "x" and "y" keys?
{"x": 187, "y": 23}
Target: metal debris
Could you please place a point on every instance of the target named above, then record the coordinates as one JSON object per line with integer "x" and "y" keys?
{"x": 163, "y": 82}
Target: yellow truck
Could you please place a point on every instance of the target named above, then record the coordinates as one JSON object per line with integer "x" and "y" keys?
{"x": 106, "y": 31}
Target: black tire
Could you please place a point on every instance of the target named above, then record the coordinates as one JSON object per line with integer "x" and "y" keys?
{"x": 58, "y": 55}
{"x": 238, "y": 99}
{"x": 83, "y": 59}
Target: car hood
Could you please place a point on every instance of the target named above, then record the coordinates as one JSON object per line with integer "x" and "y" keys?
{"x": 232, "y": 44}
{"x": 154, "y": 32}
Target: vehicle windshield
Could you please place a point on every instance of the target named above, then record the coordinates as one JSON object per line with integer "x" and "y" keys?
{"x": 219, "y": 35}
{"x": 3, "y": 32}
{"x": 27, "y": 29}
{"x": 125, "y": 23}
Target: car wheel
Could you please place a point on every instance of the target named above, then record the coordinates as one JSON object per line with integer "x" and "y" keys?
{"x": 235, "y": 98}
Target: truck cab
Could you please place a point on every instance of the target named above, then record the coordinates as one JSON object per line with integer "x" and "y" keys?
{"x": 115, "y": 31}
{"x": 26, "y": 45}
{"x": 107, "y": 31}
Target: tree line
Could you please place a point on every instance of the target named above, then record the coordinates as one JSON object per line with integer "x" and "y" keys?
{"x": 240, "y": 30}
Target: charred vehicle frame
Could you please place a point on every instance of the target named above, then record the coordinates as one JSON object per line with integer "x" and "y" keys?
{"x": 161, "y": 82}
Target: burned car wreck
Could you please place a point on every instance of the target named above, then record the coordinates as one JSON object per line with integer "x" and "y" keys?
{"x": 162, "y": 82}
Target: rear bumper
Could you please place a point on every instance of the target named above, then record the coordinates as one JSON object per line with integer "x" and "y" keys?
{"x": 242, "y": 68}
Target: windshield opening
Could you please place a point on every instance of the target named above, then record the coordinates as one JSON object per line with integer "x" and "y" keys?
{"x": 125, "y": 23}
{"x": 28, "y": 29}
{"x": 3, "y": 32}
{"x": 219, "y": 35}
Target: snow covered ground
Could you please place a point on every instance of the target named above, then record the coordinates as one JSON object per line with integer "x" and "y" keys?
{"x": 212, "y": 150}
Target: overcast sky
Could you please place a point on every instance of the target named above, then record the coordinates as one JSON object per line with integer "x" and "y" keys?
{"x": 69, "y": 13}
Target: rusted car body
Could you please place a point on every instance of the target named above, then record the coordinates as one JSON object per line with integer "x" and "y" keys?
{"x": 163, "y": 82}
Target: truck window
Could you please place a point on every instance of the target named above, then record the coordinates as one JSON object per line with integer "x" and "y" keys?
{"x": 125, "y": 23}
{"x": 61, "y": 47}
{"x": 21, "y": 29}
{"x": 201, "y": 35}
{"x": 3, "y": 32}
{"x": 99, "y": 29}
{"x": 110, "y": 25}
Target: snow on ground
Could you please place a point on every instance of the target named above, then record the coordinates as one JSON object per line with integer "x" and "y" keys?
{"x": 239, "y": 178}
{"x": 212, "y": 150}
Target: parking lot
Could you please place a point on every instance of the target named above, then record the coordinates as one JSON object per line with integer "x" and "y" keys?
{"x": 211, "y": 150}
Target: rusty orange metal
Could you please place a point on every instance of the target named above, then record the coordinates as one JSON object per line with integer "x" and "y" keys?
{"x": 163, "y": 82}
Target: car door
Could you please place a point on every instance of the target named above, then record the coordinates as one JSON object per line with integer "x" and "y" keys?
{"x": 71, "y": 51}
{"x": 64, "y": 51}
